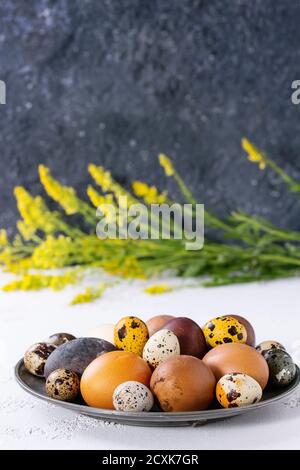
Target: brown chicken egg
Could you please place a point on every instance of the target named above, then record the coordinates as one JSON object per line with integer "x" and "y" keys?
{"x": 156, "y": 323}
{"x": 236, "y": 357}
{"x": 249, "y": 328}
{"x": 190, "y": 336}
{"x": 183, "y": 383}
{"x": 106, "y": 372}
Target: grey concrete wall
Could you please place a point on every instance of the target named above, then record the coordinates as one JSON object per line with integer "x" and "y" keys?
{"x": 117, "y": 81}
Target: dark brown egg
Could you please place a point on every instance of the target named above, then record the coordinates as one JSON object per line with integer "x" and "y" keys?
{"x": 235, "y": 357}
{"x": 190, "y": 336}
{"x": 183, "y": 383}
{"x": 156, "y": 323}
{"x": 249, "y": 328}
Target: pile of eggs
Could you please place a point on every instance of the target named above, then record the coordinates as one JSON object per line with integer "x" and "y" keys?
{"x": 168, "y": 362}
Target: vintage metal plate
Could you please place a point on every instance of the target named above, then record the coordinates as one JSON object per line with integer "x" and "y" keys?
{"x": 36, "y": 387}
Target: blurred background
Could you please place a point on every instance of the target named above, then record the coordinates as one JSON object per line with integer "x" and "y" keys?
{"x": 117, "y": 82}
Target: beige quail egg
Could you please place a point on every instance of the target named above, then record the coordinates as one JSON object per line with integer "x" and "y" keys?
{"x": 265, "y": 346}
{"x": 36, "y": 356}
{"x": 160, "y": 346}
{"x": 63, "y": 384}
{"x": 132, "y": 396}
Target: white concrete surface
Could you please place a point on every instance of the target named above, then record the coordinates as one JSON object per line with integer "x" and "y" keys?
{"x": 27, "y": 423}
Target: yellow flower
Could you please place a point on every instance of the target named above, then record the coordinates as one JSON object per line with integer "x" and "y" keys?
{"x": 254, "y": 155}
{"x": 107, "y": 183}
{"x": 97, "y": 199}
{"x": 158, "y": 289}
{"x": 25, "y": 230}
{"x": 15, "y": 266}
{"x": 128, "y": 268}
{"x": 104, "y": 203}
{"x": 167, "y": 165}
{"x": 35, "y": 214}
{"x": 90, "y": 294}
{"x": 59, "y": 282}
{"x": 53, "y": 253}
{"x": 40, "y": 281}
{"x": 148, "y": 193}
{"x": 63, "y": 195}
{"x": 3, "y": 238}
{"x": 101, "y": 176}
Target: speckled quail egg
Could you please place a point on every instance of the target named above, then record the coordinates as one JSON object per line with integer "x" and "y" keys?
{"x": 132, "y": 396}
{"x": 237, "y": 389}
{"x": 251, "y": 337}
{"x": 160, "y": 347}
{"x": 282, "y": 369}
{"x": 265, "y": 346}
{"x": 223, "y": 330}
{"x": 131, "y": 334}
{"x": 63, "y": 384}
{"x": 36, "y": 356}
{"x": 60, "y": 338}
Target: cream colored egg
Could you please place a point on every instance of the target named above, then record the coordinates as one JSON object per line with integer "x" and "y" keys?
{"x": 265, "y": 346}
{"x": 160, "y": 347}
{"x": 132, "y": 396}
{"x": 104, "y": 331}
{"x": 234, "y": 390}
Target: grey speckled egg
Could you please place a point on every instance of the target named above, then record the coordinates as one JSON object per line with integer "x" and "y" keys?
{"x": 132, "y": 396}
{"x": 265, "y": 346}
{"x": 36, "y": 356}
{"x": 60, "y": 338}
{"x": 160, "y": 346}
{"x": 63, "y": 384}
{"x": 281, "y": 366}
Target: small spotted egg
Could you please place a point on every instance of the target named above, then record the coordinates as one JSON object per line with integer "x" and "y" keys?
{"x": 63, "y": 384}
{"x": 224, "y": 329}
{"x": 265, "y": 346}
{"x": 36, "y": 356}
{"x": 237, "y": 389}
{"x": 131, "y": 334}
{"x": 60, "y": 338}
{"x": 132, "y": 396}
{"x": 282, "y": 369}
{"x": 160, "y": 346}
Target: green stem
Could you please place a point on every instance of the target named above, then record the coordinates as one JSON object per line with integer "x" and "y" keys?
{"x": 184, "y": 189}
{"x": 292, "y": 184}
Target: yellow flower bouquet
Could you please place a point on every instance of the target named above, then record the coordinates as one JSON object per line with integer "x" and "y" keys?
{"x": 246, "y": 248}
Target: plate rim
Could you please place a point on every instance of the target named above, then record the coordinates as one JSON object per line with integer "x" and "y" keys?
{"x": 157, "y": 416}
